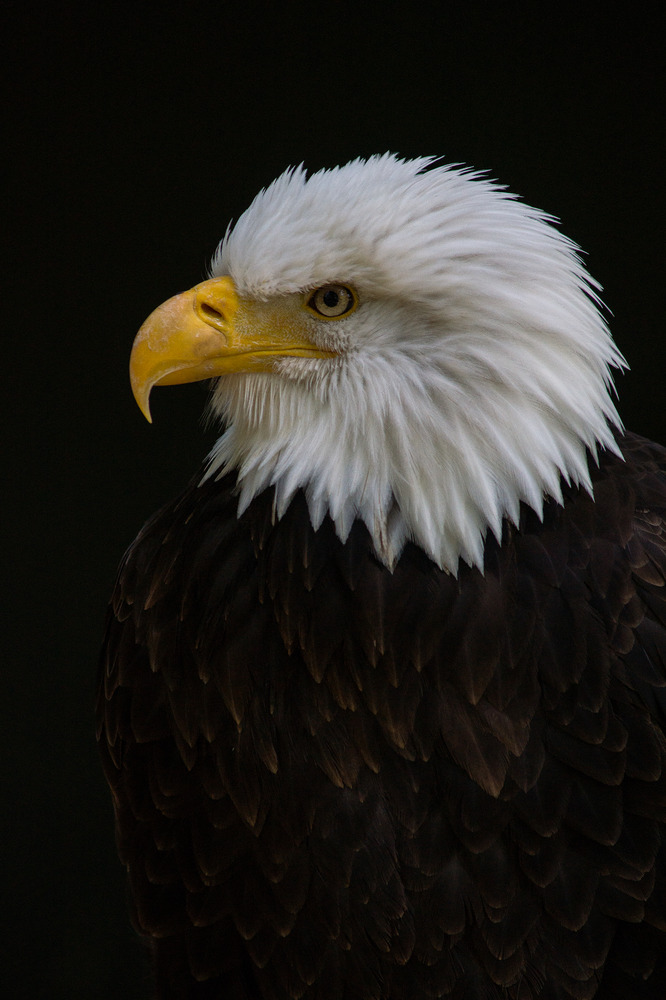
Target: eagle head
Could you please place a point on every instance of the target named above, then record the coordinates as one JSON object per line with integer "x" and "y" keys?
{"x": 404, "y": 341}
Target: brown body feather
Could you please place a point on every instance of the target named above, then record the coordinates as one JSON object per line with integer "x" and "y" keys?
{"x": 339, "y": 783}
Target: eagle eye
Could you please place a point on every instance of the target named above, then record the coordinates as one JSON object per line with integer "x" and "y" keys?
{"x": 332, "y": 301}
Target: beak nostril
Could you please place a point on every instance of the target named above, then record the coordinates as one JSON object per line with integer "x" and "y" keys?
{"x": 215, "y": 302}
{"x": 210, "y": 313}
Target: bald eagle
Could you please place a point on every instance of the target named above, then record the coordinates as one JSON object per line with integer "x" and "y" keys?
{"x": 382, "y": 700}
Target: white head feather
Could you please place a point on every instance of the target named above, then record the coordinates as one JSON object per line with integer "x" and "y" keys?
{"x": 473, "y": 375}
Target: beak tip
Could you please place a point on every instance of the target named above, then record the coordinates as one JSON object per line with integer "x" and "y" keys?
{"x": 145, "y": 409}
{"x": 142, "y": 400}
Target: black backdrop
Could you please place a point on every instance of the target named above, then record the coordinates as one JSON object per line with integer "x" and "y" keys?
{"x": 135, "y": 135}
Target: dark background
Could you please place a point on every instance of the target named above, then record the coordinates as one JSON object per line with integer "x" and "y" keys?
{"x": 135, "y": 135}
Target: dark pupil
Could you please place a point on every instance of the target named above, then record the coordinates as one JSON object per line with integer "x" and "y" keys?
{"x": 331, "y": 299}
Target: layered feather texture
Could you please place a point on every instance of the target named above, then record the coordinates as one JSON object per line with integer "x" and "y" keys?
{"x": 337, "y": 782}
{"x": 474, "y": 374}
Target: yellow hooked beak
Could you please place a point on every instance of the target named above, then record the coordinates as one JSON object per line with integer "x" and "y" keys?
{"x": 210, "y": 331}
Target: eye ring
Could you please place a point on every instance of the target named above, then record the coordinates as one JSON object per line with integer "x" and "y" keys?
{"x": 332, "y": 301}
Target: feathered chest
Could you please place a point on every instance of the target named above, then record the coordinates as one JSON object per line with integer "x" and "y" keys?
{"x": 325, "y": 772}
